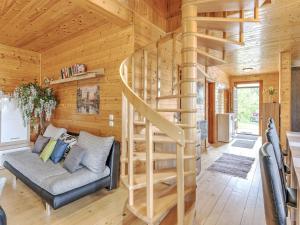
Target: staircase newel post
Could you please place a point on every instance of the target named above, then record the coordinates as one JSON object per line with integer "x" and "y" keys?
{"x": 149, "y": 168}
{"x": 189, "y": 71}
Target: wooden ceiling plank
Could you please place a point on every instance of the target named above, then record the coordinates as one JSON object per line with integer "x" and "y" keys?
{"x": 110, "y": 9}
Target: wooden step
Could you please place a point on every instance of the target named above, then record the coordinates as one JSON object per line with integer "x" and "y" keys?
{"x": 177, "y": 110}
{"x": 227, "y": 24}
{"x": 182, "y": 125}
{"x": 216, "y": 43}
{"x": 157, "y": 139}
{"x": 224, "y": 5}
{"x": 206, "y": 59}
{"x": 162, "y": 204}
{"x": 139, "y": 180}
{"x": 175, "y": 96}
{"x": 157, "y": 156}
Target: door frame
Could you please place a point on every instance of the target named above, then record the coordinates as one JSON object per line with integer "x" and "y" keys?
{"x": 211, "y": 111}
{"x": 260, "y": 82}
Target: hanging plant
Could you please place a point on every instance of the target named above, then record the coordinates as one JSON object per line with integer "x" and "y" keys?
{"x": 35, "y": 102}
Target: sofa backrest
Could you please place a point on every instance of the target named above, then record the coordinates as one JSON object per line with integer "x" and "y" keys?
{"x": 113, "y": 162}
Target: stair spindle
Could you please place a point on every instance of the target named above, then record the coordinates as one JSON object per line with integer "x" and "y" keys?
{"x": 130, "y": 154}
{"x": 149, "y": 164}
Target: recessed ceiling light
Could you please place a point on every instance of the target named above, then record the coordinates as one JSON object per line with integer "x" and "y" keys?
{"x": 247, "y": 68}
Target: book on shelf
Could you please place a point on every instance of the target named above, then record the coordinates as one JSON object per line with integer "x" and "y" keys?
{"x": 74, "y": 70}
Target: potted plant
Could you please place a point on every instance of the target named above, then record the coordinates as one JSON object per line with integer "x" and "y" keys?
{"x": 36, "y": 104}
{"x": 271, "y": 91}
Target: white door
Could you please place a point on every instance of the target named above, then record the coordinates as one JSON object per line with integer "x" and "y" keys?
{"x": 12, "y": 125}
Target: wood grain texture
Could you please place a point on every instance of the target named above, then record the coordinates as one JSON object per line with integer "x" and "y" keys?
{"x": 104, "y": 47}
{"x": 38, "y": 25}
{"x": 17, "y": 66}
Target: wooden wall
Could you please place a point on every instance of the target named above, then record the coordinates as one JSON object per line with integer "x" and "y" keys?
{"x": 104, "y": 47}
{"x": 17, "y": 66}
{"x": 268, "y": 80}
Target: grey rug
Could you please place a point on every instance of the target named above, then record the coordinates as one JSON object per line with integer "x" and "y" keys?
{"x": 234, "y": 165}
{"x": 247, "y": 137}
{"x": 243, "y": 144}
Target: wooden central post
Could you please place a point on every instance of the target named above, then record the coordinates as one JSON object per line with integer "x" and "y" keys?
{"x": 189, "y": 72}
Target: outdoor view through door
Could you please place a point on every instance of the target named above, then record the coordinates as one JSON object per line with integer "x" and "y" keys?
{"x": 247, "y": 108}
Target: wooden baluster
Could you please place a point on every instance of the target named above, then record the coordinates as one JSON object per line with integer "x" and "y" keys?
{"x": 145, "y": 74}
{"x": 242, "y": 38}
{"x": 174, "y": 45}
{"x": 158, "y": 74}
{"x": 256, "y": 10}
{"x": 130, "y": 154}
{"x": 149, "y": 165}
{"x": 124, "y": 123}
{"x": 180, "y": 184}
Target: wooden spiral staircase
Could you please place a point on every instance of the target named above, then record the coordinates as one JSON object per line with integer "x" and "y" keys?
{"x": 167, "y": 195}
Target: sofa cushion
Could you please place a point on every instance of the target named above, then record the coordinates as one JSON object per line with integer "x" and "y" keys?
{"x": 58, "y": 151}
{"x": 98, "y": 149}
{"x": 74, "y": 158}
{"x": 70, "y": 140}
{"x": 47, "y": 151}
{"x": 40, "y": 144}
{"x": 54, "y": 132}
{"x": 51, "y": 177}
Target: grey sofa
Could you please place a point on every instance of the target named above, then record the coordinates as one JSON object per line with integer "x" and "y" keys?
{"x": 54, "y": 184}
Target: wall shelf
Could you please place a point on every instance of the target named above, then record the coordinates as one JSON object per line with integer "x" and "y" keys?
{"x": 83, "y": 76}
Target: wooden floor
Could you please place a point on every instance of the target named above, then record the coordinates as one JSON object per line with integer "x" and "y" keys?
{"x": 221, "y": 199}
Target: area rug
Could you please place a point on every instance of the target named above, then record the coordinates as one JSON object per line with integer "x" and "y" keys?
{"x": 246, "y": 137}
{"x": 234, "y": 165}
{"x": 243, "y": 144}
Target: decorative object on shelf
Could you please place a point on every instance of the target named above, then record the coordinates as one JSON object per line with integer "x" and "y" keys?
{"x": 82, "y": 76}
{"x": 88, "y": 99}
{"x": 271, "y": 91}
{"x": 74, "y": 70}
{"x": 36, "y": 104}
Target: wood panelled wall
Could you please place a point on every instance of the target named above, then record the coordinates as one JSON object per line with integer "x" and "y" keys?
{"x": 104, "y": 47}
{"x": 268, "y": 80}
{"x": 17, "y": 66}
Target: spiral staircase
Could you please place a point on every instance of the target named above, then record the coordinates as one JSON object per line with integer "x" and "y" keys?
{"x": 160, "y": 195}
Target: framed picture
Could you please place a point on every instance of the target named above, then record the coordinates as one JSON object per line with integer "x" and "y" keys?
{"x": 88, "y": 99}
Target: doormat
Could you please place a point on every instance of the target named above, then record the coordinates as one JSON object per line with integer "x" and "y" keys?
{"x": 243, "y": 144}
{"x": 234, "y": 165}
{"x": 246, "y": 137}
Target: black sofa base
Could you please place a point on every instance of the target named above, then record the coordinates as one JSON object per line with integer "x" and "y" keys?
{"x": 56, "y": 201}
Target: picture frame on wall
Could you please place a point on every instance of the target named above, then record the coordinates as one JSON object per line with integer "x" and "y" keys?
{"x": 88, "y": 99}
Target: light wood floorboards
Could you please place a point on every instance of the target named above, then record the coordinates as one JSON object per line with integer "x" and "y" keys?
{"x": 221, "y": 199}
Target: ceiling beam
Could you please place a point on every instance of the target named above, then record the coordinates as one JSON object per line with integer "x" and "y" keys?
{"x": 112, "y": 10}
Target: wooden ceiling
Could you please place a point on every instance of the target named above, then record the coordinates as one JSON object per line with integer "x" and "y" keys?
{"x": 40, "y": 24}
{"x": 279, "y": 30}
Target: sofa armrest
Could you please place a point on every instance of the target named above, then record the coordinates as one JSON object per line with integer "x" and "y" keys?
{"x": 113, "y": 162}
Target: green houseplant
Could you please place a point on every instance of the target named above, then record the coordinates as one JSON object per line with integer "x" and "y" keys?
{"x": 36, "y": 104}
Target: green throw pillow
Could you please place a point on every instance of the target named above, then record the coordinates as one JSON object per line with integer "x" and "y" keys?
{"x": 46, "y": 153}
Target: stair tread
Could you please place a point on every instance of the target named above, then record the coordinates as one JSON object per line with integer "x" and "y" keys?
{"x": 176, "y": 110}
{"x": 175, "y": 96}
{"x": 223, "y": 6}
{"x": 216, "y": 43}
{"x": 139, "y": 180}
{"x": 182, "y": 125}
{"x": 141, "y": 156}
{"x": 208, "y": 60}
{"x": 162, "y": 204}
{"x": 157, "y": 138}
{"x": 227, "y": 24}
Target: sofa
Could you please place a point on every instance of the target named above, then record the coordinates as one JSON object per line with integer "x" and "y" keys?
{"x": 54, "y": 184}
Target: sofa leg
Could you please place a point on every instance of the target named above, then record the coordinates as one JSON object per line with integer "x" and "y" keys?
{"x": 14, "y": 182}
{"x": 48, "y": 209}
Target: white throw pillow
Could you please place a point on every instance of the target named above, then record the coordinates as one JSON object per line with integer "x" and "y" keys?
{"x": 54, "y": 132}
